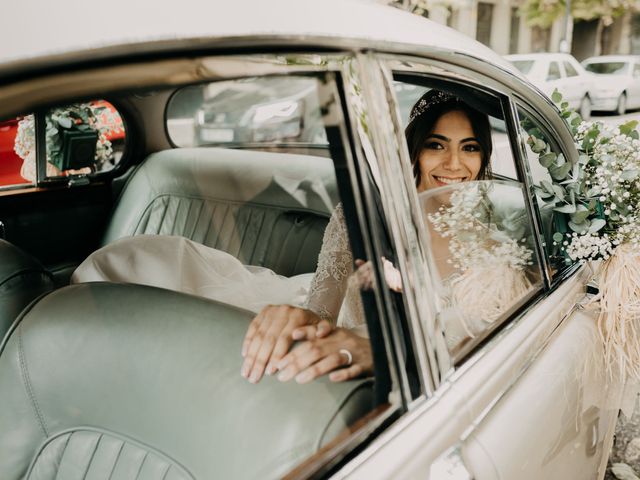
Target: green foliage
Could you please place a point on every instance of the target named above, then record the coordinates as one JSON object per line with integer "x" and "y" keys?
{"x": 542, "y": 13}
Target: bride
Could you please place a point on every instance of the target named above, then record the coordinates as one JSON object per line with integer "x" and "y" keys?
{"x": 449, "y": 142}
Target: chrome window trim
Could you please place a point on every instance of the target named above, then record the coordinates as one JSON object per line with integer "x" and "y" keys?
{"x": 349, "y": 74}
{"x": 397, "y": 203}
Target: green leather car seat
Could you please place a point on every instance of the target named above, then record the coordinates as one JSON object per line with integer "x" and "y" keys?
{"x": 266, "y": 209}
{"x": 22, "y": 279}
{"x": 113, "y": 381}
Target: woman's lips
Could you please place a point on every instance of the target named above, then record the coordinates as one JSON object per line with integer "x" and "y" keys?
{"x": 441, "y": 181}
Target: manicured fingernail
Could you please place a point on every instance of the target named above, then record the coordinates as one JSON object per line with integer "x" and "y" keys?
{"x": 282, "y": 364}
{"x": 285, "y": 375}
{"x": 303, "y": 377}
{"x": 321, "y": 331}
{"x": 297, "y": 335}
{"x": 244, "y": 351}
{"x": 244, "y": 371}
{"x": 270, "y": 370}
{"x": 255, "y": 376}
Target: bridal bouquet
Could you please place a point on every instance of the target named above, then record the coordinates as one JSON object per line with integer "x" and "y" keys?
{"x": 486, "y": 246}
{"x": 596, "y": 206}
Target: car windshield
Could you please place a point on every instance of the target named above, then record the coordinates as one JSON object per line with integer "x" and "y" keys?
{"x": 612, "y": 68}
{"x": 523, "y": 65}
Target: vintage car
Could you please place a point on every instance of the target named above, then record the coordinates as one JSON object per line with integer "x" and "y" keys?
{"x": 122, "y": 380}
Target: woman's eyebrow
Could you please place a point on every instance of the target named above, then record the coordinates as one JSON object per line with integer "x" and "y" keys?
{"x": 439, "y": 137}
{"x": 469, "y": 139}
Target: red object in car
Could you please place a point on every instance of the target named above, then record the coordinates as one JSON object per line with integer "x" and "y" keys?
{"x": 10, "y": 162}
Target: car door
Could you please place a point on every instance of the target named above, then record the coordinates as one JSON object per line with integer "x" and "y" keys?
{"x": 516, "y": 400}
{"x": 634, "y": 88}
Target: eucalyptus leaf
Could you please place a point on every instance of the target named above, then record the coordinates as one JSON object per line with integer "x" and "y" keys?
{"x": 538, "y": 146}
{"x": 630, "y": 174}
{"x": 569, "y": 208}
{"x": 561, "y": 172}
{"x": 547, "y": 159}
{"x": 558, "y": 191}
{"x": 579, "y": 228}
{"x": 580, "y": 215}
{"x": 556, "y": 96}
{"x": 557, "y": 237}
{"x": 597, "y": 224}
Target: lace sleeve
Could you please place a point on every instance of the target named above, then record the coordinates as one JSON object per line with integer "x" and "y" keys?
{"x": 335, "y": 265}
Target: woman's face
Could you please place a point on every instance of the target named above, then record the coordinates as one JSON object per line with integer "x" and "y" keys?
{"x": 451, "y": 154}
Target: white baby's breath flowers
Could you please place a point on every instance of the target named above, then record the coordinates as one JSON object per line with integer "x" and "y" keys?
{"x": 475, "y": 237}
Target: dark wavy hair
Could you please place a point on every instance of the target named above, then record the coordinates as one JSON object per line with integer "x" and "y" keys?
{"x": 423, "y": 121}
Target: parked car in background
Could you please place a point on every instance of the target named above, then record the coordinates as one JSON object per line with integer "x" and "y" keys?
{"x": 118, "y": 380}
{"x": 550, "y": 71}
{"x": 618, "y": 82}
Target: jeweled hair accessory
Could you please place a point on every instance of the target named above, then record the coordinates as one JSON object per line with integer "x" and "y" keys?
{"x": 424, "y": 105}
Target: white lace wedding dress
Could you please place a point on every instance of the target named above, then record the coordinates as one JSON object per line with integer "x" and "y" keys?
{"x": 177, "y": 263}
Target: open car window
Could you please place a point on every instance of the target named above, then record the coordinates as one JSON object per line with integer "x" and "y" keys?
{"x": 480, "y": 242}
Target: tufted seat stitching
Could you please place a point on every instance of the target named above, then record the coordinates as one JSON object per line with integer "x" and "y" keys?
{"x": 123, "y": 439}
{"x": 27, "y": 383}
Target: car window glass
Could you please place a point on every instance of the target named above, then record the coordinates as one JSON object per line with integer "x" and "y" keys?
{"x": 523, "y": 65}
{"x": 610, "y": 68}
{"x": 570, "y": 70}
{"x": 476, "y": 228}
{"x": 554, "y": 71}
{"x": 272, "y": 205}
{"x": 538, "y": 142}
{"x": 16, "y": 144}
{"x": 256, "y": 110}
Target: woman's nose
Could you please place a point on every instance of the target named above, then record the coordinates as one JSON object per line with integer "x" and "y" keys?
{"x": 452, "y": 162}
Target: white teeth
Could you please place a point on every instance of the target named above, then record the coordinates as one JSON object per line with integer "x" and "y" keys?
{"x": 448, "y": 181}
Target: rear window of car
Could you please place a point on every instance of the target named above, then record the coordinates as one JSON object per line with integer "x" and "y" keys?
{"x": 523, "y": 65}
{"x": 81, "y": 139}
{"x": 615, "y": 68}
{"x": 249, "y": 111}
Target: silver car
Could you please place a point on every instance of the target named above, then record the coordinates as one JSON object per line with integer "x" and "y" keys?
{"x": 120, "y": 380}
{"x": 618, "y": 86}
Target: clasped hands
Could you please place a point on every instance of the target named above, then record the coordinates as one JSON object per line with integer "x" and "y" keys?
{"x": 267, "y": 347}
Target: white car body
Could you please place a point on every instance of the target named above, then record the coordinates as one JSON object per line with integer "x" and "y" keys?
{"x": 521, "y": 405}
{"x": 561, "y": 71}
{"x": 618, "y": 90}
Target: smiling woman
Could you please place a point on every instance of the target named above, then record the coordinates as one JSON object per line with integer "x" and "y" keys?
{"x": 449, "y": 141}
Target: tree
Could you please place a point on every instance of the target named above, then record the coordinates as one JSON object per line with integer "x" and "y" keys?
{"x": 542, "y": 13}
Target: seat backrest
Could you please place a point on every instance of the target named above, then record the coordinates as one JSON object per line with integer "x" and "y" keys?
{"x": 266, "y": 209}
{"x": 22, "y": 279}
{"x": 100, "y": 378}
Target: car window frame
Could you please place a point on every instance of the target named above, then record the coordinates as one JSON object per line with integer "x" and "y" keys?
{"x": 560, "y": 71}
{"x": 460, "y": 75}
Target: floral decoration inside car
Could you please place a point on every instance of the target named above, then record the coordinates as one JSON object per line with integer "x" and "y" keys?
{"x": 479, "y": 229}
{"x": 595, "y": 203}
{"x": 76, "y": 140}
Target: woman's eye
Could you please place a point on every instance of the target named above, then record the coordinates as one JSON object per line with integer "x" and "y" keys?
{"x": 433, "y": 146}
{"x": 471, "y": 148}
